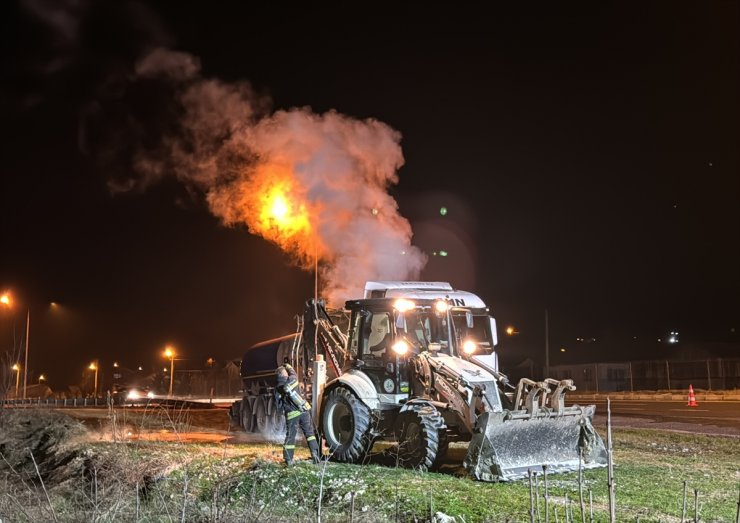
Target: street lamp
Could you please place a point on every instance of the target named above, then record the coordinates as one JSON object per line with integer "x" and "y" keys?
{"x": 17, "y": 369}
{"x": 6, "y": 300}
{"x": 169, "y": 352}
{"x": 94, "y": 366}
{"x": 41, "y": 378}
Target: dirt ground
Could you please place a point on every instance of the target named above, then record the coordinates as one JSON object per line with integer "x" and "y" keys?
{"x": 196, "y": 425}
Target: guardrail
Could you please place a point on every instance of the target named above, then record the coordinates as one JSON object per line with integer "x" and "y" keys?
{"x": 56, "y": 402}
{"x": 659, "y": 395}
{"x": 106, "y": 402}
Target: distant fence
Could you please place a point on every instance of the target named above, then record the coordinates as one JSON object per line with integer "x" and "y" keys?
{"x": 55, "y": 402}
{"x": 709, "y": 374}
{"x": 105, "y": 402}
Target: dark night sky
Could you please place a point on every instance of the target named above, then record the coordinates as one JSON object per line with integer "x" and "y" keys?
{"x": 588, "y": 156}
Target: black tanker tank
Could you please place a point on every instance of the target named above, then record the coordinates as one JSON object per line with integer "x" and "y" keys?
{"x": 257, "y": 410}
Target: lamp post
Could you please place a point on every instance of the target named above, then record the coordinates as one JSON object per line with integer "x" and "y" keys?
{"x": 547, "y": 345}
{"x": 17, "y": 369}
{"x": 41, "y": 378}
{"x": 94, "y": 366}
{"x": 169, "y": 352}
{"x": 25, "y": 368}
{"x": 6, "y": 300}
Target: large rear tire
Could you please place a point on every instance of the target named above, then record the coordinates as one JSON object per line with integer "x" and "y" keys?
{"x": 345, "y": 424}
{"x": 419, "y": 443}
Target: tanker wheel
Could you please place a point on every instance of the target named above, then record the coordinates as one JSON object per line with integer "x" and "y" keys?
{"x": 247, "y": 415}
{"x": 345, "y": 423}
{"x": 261, "y": 418}
{"x": 419, "y": 444}
{"x": 235, "y": 416}
{"x": 277, "y": 420}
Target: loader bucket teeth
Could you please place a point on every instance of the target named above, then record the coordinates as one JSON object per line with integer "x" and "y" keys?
{"x": 506, "y": 446}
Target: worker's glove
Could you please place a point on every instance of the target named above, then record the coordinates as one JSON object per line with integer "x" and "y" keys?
{"x": 288, "y": 367}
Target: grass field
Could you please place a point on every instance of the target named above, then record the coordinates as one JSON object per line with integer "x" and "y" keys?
{"x": 121, "y": 480}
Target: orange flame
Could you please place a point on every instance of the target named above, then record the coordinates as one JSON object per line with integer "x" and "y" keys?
{"x": 274, "y": 205}
{"x": 281, "y": 214}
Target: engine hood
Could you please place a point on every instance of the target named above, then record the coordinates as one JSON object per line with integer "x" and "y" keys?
{"x": 468, "y": 370}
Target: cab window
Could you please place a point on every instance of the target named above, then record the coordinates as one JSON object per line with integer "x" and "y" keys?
{"x": 376, "y": 335}
{"x": 354, "y": 341}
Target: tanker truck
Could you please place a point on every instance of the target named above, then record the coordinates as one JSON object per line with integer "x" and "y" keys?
{"x": 416, "y": 366}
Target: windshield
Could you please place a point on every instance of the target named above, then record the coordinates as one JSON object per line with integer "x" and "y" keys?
{"x": 480, "y": 332}
{"x": 422, "y": 327}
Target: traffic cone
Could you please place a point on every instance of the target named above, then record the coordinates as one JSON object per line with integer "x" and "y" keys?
{"x": 692, "y": 398}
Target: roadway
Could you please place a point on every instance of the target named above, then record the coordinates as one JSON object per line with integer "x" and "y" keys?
{"x": 709, "y": 417}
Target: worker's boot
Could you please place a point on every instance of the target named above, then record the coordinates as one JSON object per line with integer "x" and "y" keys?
{"x": 314, "y": 446}
{"x": 288, "y": 454}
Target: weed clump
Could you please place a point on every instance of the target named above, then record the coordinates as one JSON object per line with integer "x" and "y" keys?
{"x": 39, "y": 446}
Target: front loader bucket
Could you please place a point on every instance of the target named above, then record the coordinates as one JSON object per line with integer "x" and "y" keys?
{"x": 506, "y": 446}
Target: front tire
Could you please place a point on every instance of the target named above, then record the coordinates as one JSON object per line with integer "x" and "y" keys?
{"x": 419, "y": 443}
{"x": 345, "y": 424}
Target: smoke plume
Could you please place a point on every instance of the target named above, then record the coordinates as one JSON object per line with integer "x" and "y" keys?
{"x": 315, "y": 184}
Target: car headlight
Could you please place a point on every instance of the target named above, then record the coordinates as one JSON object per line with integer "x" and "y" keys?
{"x": 150, "y": 395}
{"x": 400, "y": 347}
{"x": 133, "y": 394}
{"x": 469, "y": 346}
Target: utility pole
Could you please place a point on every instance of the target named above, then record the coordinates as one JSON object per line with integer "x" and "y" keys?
{"x": 316, "y": 297}
{"x": 547, "y": 346}
{"x": 172, "y": 373}
{"x": 25, "y": 368}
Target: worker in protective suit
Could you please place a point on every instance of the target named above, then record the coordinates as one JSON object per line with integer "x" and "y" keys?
{"x": 297, "y": 413}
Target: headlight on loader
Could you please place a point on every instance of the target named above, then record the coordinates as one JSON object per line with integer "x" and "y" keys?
{"x": 469, "y": 346}
{"x": 441, "y": 306}
{"x": 400, "y": 347}
{"x": 404, "y": 305}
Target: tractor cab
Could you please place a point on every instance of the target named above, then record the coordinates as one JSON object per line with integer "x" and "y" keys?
{"x": 472, "y": 331}
{"x": 385, "y": 332}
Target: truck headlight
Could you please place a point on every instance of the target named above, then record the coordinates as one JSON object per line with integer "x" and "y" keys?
{"x": 133, "y": 394}
{"x": 400, "y": 347}
{"x": 469, "y": 346}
